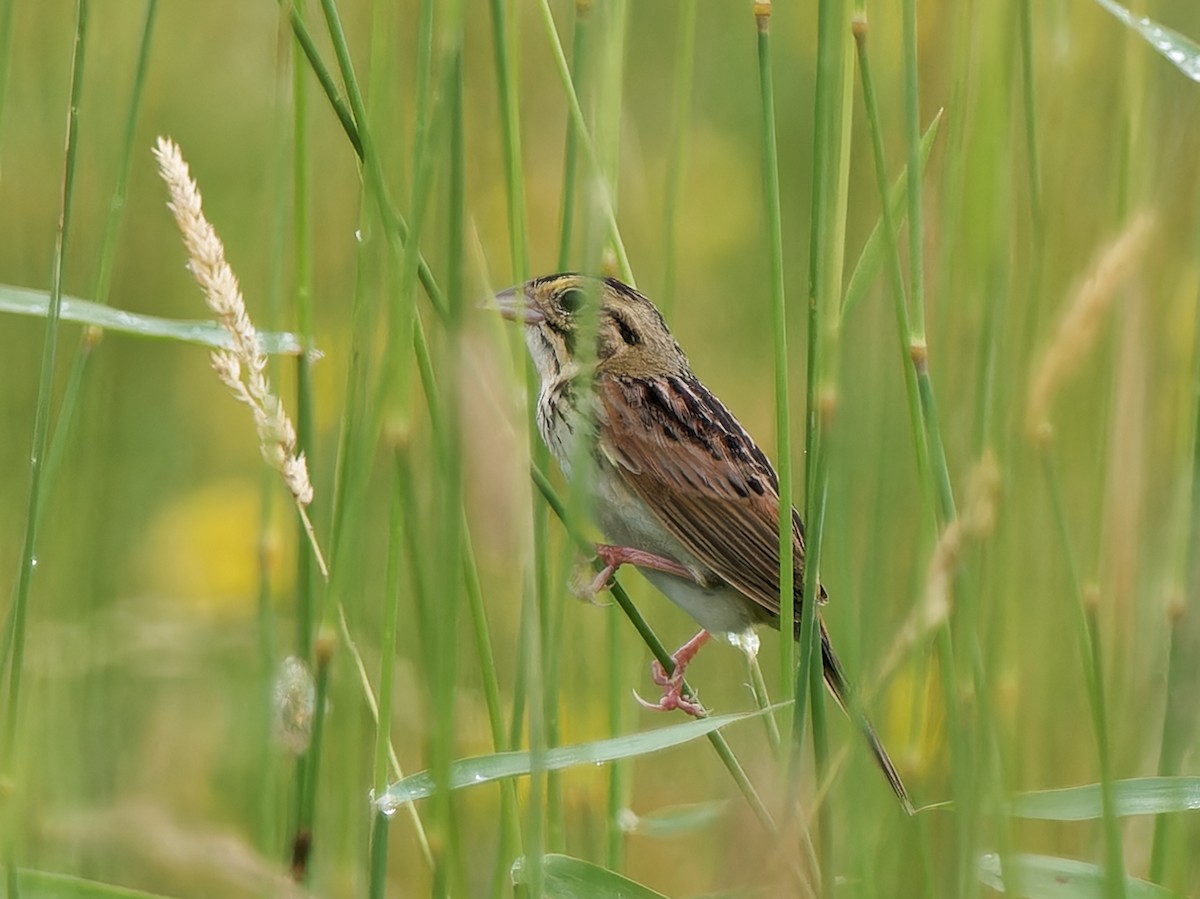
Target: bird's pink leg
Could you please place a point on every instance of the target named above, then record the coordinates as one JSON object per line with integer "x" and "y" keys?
{"x": 672, "y": 684}
{"x": 616, "y": 556}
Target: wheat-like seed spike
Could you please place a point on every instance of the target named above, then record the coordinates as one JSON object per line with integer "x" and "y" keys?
{"x": 242, "y": 367}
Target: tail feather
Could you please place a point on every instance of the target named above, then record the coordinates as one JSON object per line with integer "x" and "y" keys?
{"x": 835, "y": 679}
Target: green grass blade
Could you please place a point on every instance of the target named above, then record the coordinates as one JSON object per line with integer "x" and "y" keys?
{"x": 1134, "y": 796}
{"x": 1182, "y": 52}
{"x": 1047, "y": 877}
{"x": 875, "y": 250}
{"x": 573, "y": 878}
{"x": 39, "y": 884}
{"x": 24, "y": 301}
{"x": 469, "y": 772}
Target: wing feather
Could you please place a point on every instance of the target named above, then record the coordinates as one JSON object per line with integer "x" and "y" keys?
{"x": 681, "y": 451}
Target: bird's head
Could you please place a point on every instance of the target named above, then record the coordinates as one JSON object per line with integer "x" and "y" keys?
{"x": 630, "y": 335}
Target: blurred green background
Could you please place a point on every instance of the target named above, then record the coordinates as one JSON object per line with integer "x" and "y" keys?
{"x": 146, "y": 756}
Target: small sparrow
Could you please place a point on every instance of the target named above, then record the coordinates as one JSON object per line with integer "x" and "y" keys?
{"x": 676, "y": 484}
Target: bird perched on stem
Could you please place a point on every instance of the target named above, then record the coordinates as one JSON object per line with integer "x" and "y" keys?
{"x": 676, "y": 484}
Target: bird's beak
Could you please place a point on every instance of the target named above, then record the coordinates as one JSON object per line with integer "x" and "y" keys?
{"x": 514, "y": 306}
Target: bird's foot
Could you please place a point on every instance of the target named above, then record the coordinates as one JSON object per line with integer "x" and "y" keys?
{"x": 614, "y": 557}
{"x": 672, "y": 684}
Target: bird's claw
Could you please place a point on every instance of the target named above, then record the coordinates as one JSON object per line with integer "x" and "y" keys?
{"x": 672, "y": 699}
{"x": 586, "y": 586}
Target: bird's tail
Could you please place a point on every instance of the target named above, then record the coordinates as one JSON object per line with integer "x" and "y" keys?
{"x": 835, "y": 679}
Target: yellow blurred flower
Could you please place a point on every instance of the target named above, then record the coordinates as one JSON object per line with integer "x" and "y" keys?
{"x": 204, "y": 549}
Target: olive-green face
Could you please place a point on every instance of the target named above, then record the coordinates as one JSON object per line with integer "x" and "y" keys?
{"x": 631, "y": 336}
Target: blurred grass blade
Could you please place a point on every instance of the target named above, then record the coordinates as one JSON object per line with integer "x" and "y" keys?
{"x": 23, "y": 301}
{"x": 43, "y": 885}
{"x": 1136, "y": 796}
{"x": 874, "y": 251}
{"x": 675, "y": 820}
{"x": 1182, "y": 52}
{"x": 488, "y": 768}
{"x": 573, "y": 878}
{"x": 1047, "y": 877}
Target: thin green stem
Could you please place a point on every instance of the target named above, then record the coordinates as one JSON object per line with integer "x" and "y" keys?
{"x": 912, "y": 121}
{"x": 6, "y": 33}
{"x": 510, "y": 124}
{"x": 1029, "y": 106}
{"x": 41, "y": 435}
{"x": 681, "y": 96}
{"x": 579, "y": 58}
{"x": 306, "y": 575}
{"x": 783, "y": 417}
{"x": 1183, "y": 671}
{"x": 42, "y": 412}
{"x": 387, "y": 664}
{"x": 762, "y": 699}
{"x": 356, "y": 129}
{"x": 1089, "y": 637}
{"x": 377, "y": 870}
{"x": 324, "y": 76}
{"x": 303, "y": 274}
{"x": 899, "y": 300}
{"x": 509, "y": 816}
{"x": 922, "y": 407}
{"x": 585, "y": 141}
{"x": 445, "y": 622}
{"x": 88, "y": 341}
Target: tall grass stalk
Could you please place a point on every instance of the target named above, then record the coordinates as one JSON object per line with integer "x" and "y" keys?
{"x": 1089, "y": 641}
{"x": 37, "y": 452}
{"x": 68, "y": 408}
{"x": 444, "y": 671}
{"x": 939, "y": 470}
{"x": 302, "y": 272}
{"x": 377, "y": 883}
{"x": 830, "y": 190}
{"x": 112, "y": 230}
{"x": 395, "y": 226}
{"x": 783, "y": 415}
{"x": 1179, "y": 715}
{"x": 681, "y": 102}
{"x": 894, "y": 268}
{"x": 605, "y": 198}
{"x": 580, "y": 42}
{"x": 6, "y": 33}
{"x": 548, "y": 610}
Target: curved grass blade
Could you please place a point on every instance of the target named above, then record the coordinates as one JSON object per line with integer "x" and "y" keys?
{"x": 1182, "y": 52}
{"x": 573, "y": 878}
{"x": 488, "y": 768}
{"x": 1135, "y": 796}
{"x": 871, "y": 259}
{"x": 23, "y": 301}
{"x": 44, "y": 885}
{"x": 1047, "y": 877}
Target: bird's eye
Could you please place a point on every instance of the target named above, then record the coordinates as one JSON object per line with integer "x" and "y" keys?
{"x": 572, "y": 299}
